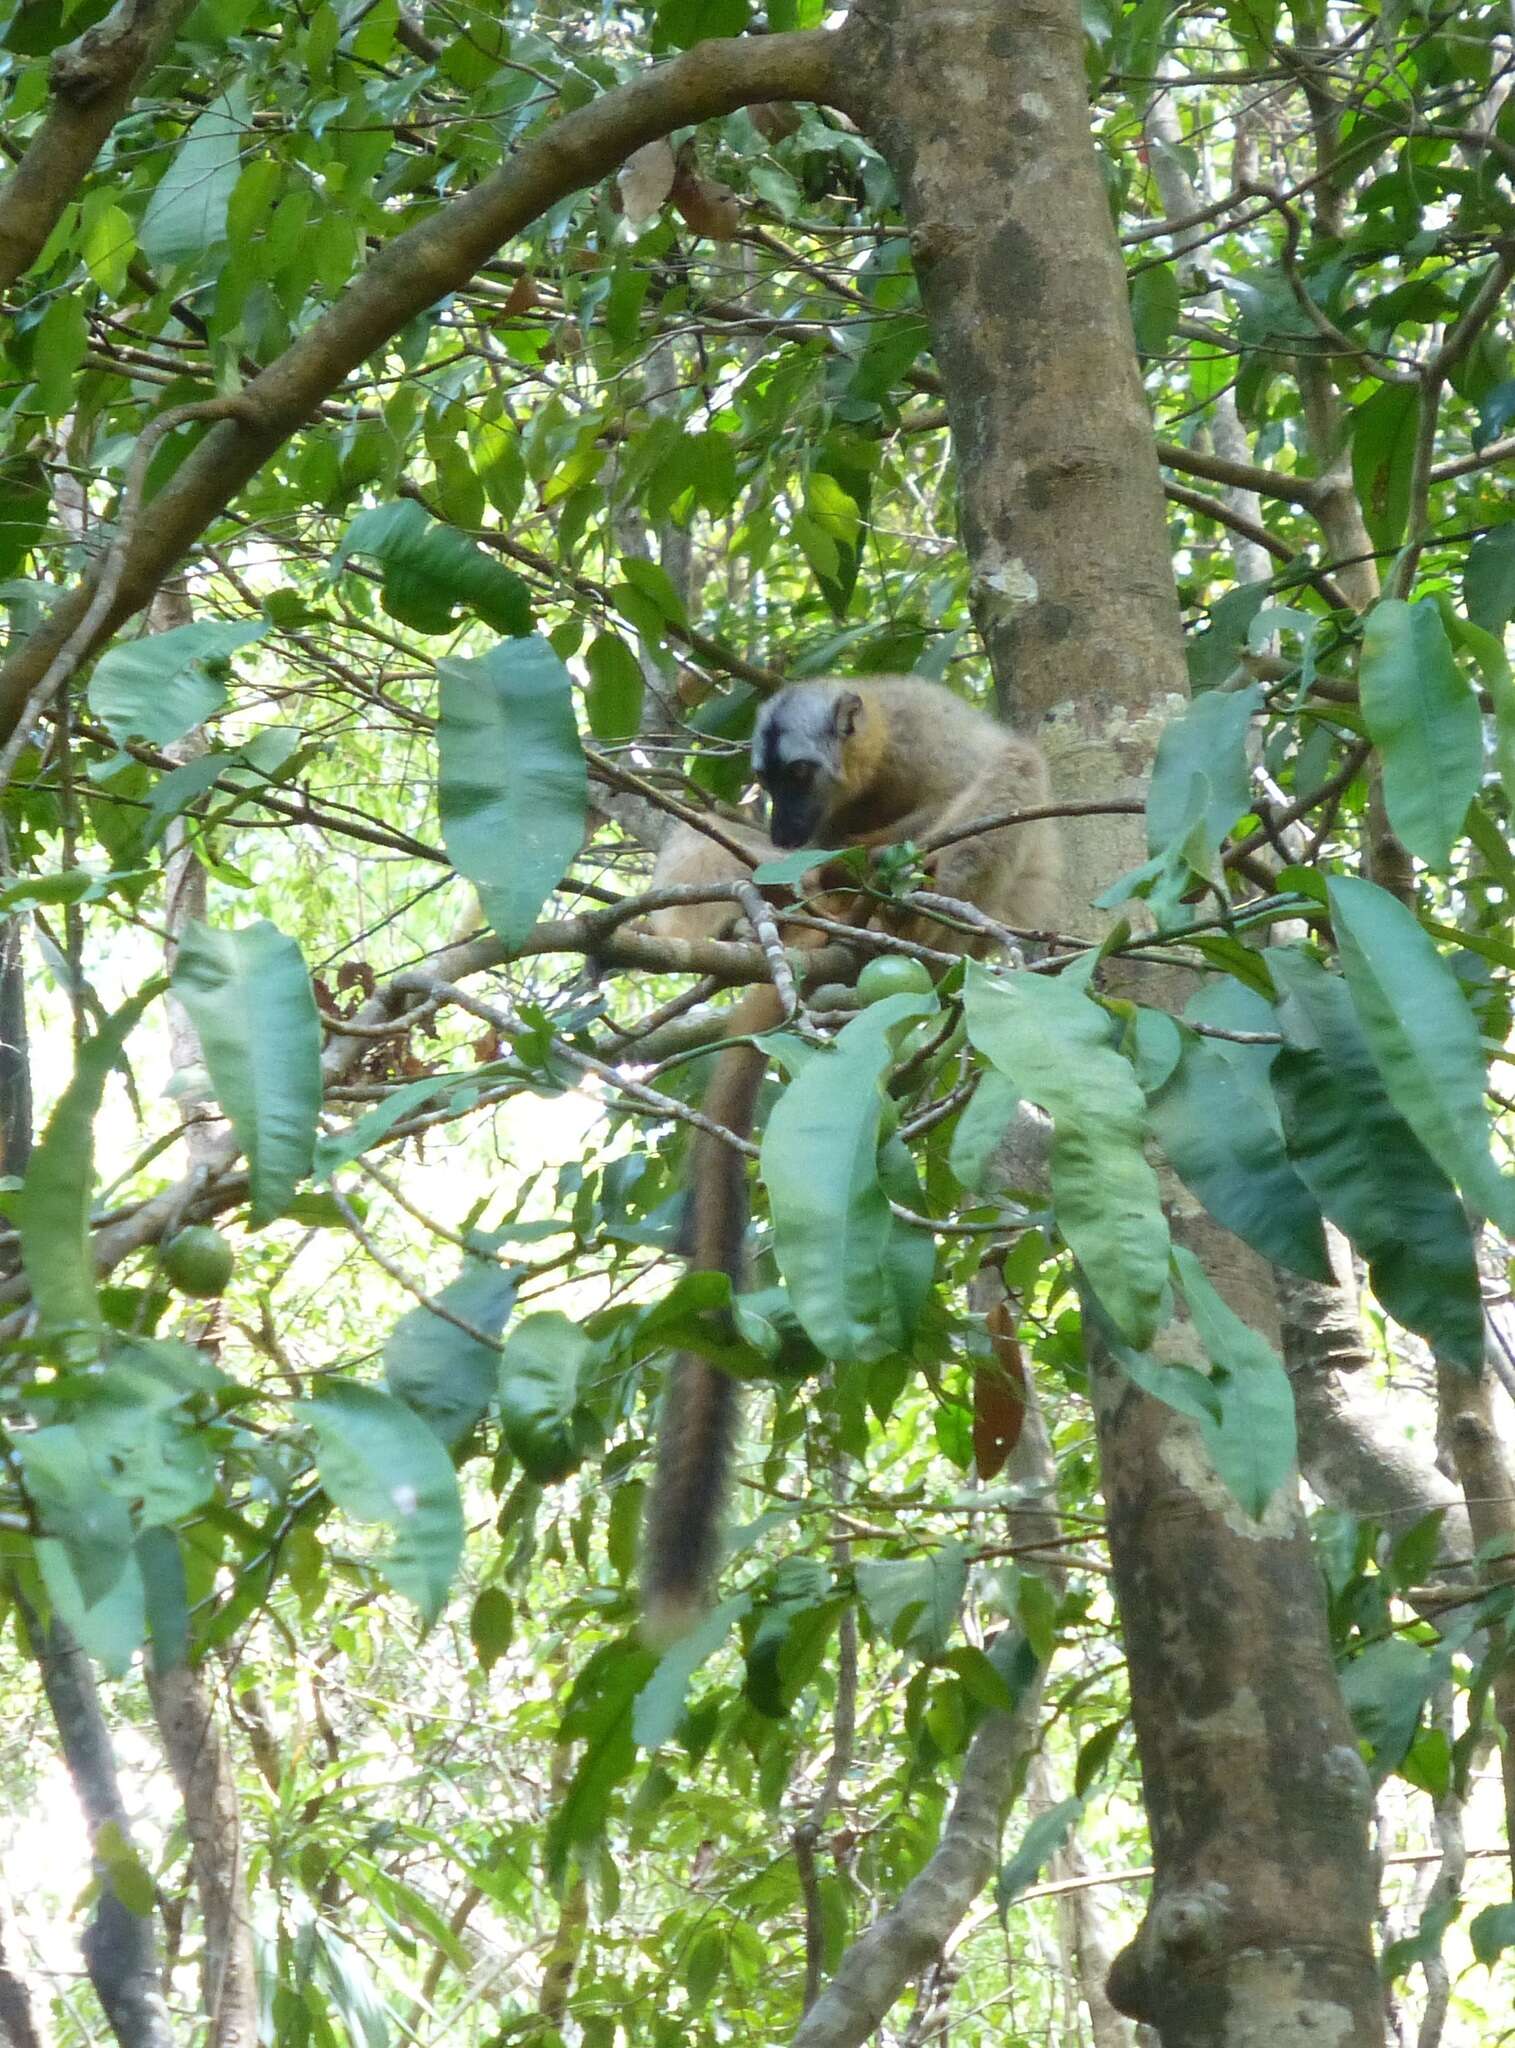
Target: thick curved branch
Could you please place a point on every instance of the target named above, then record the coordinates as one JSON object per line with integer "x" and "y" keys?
{"x": 93, "y": 81}
{"x": 1245, "y": 476}
{"x": 420, "y": 266}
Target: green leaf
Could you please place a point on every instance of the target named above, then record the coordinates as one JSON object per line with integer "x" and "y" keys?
{"x": 156, "y": 689}
{"x": 1057, "y": 1048}
{"x": 110, "y": 1628}
{"x": 1385, "y": 1688}
{"x": 1369, "y": 1172}
{"x": 1495, "y": 411}
{"x": 660, "y": 1704}
{"x": 430, "y": 570}
{"x": 914, "y": 1601}
{"x": 613, "y": 700}
{"x": 89, "y": 1521}
{"x": 1423, "y": 1037}
{"x": 598, "y": 1714}
{"x": 444, "y": 1374}
{"x": 513, "y": 790}
{"x": 542, "y": 1377}
{"x": 653, "y": 582}
{"x": 1156, "y": 303}
{"x": 1225, "y": 1146}
{"x": 1491, "y": 1932}
{"x": 379, "y": 1467}
{"x": 1487, "y": 650}
{"x": 831, "y": 1220}
{"x": 680, "y": 24}
{"x": 1094, "y": 1755}
{"x": 980, "y": 1129}
{"x": 58, "y": 348}
{"x": 491, "y": 1622}
{"x": 1488, "y": 581}
{"x": 1208, "y": 739}
{"x": 789, "y": 1641}
{"x": 147, "y": 1449}
{"x": 1253, "y": 1444}
{"x": 1425, "y": 722}
{"x": 53, "y": 1209}
{"x": 249, "y": 998}
{"x": 1383, "y": 450}
{"x": 186, "y": 215}
{"x": 1045, "y": 1836}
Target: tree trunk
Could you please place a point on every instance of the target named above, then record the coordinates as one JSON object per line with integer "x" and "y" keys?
{"x": 1259, "y": 1924}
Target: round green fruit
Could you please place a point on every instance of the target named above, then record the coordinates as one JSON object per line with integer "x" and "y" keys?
{"x": 891, "y": 974}
{"x": 198, "y": 1260}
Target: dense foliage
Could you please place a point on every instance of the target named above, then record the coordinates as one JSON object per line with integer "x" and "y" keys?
{"x": 382, "y": 771}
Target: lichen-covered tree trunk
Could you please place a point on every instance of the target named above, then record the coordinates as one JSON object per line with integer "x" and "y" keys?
{"x": 1258, "y": 1928}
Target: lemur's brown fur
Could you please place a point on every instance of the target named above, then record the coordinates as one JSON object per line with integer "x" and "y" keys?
{"x": 844, "y": 765}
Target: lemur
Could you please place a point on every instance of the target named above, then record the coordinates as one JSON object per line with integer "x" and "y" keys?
{"x": 893, "y": 759}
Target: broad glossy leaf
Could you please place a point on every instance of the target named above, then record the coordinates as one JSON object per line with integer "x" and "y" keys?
{"x": 146, "y": 1448}
{"x": 598, "y": 1715}
{"x": 57, "y": 1194}
{"x": 1208, "y": 739}
{"x": 613, "y": 701}
{"x": 90, "y": 1522}
{"x": 788, "y": 1639}
{"x": 111, "y": 1629}
{"x": 491, "y": 1623}
{"x": 1045, "y": 1836}
{"x": 1425, "y": 722}
{"x": 1383, "y": 449}
{"x": 379, "y": 1465}
{"x": 820, "y": 1163}
{"x": 1225, "y": 1146}
{"x": 186, "y": 215}
{"x": 1423, "y": 1037}
{"x": 1155, "y": 306}
{"x": 431, "y": 570}
{"x": 440, "y": 1371}
{"x": 913, "y": 1602}
{"x": 660, "y": 1703}
{"x": 1492, "y": 1931}
{"x": 1253, "y": 1443}
{"x": 1369, "y": 1172}
{"x": 542, "y": 1378}
{"x": 1058, "y": 1049}
{"x": 981, "y": 1128}
{"x": 156, "y": 689}
{"x": 1386, "y": 1686}
{"x": 512, "y": 790}
{"x": 249, "y": 998}
{"x": 1488, "y": 581}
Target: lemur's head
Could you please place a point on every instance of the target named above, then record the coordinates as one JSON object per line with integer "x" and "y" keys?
{"x": 799, "y": 753}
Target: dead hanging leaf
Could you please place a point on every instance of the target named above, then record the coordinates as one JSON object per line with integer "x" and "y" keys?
{"x": 709, "y": 207}
{"x": 775, "y": 119}
{"x": 999, "y": 1395}
{"x": 692, "y": 689}
{"x": 523, "y": 295}
{"x": 645, "y": 180}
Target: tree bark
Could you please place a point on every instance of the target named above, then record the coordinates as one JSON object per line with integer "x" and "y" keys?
{"x": 1259, "y": 1924}
{"x": 93, "y": 81}
{"x": 118, "y": 1945}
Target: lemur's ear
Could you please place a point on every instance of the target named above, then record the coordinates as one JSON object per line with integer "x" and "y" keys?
{"x": 845, "y": 714}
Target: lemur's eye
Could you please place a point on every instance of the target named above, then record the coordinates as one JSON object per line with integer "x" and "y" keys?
{"x": 802, "y": 773}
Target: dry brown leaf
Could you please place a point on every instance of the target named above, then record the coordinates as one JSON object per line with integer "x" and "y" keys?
{"x": 999, "y": 1395}
{"x": 775, "y": 119}
{"x": 645, "y": 180}
{"x": 709, "y": 207}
